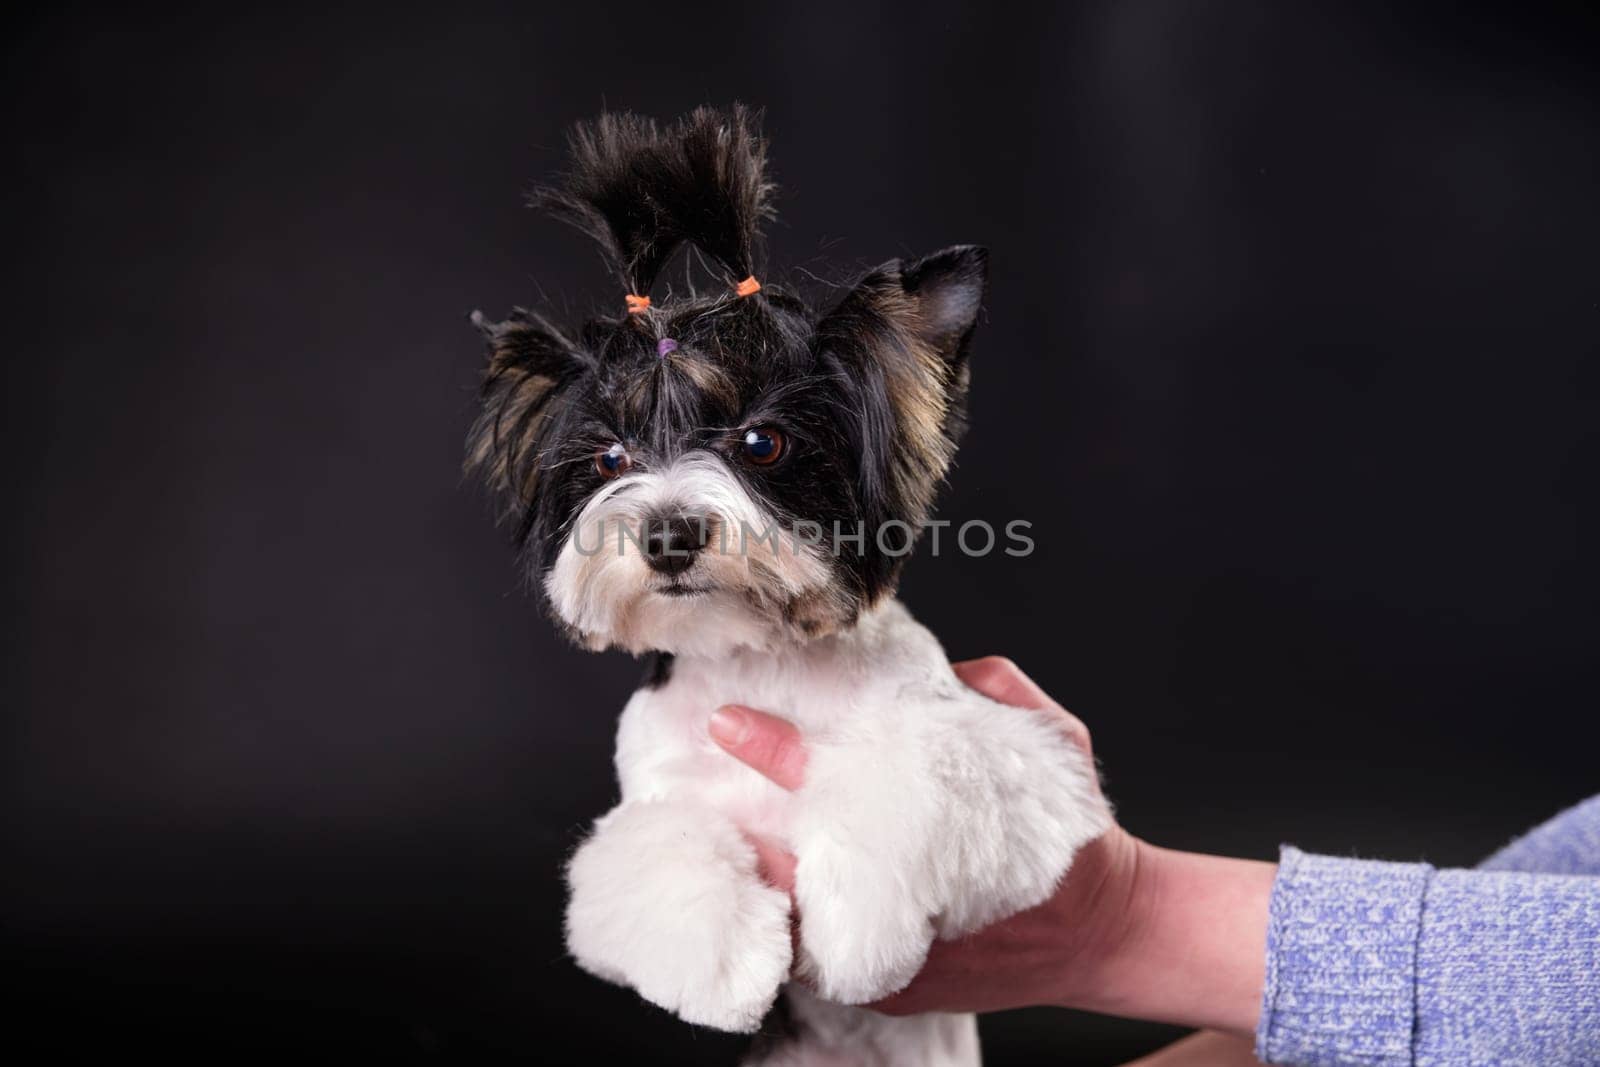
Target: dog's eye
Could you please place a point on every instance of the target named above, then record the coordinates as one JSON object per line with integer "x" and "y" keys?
{"x": 611, "y": 462}
{"x": 763, "y": 445}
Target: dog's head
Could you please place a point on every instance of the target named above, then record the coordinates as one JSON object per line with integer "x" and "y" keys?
{"x": 713, "y": 471}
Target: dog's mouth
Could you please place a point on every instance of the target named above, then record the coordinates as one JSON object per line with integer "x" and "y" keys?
{"x": 682, "y": 589}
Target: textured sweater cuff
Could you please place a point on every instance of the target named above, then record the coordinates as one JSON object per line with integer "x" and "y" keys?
{"x": 1341, "y": 961}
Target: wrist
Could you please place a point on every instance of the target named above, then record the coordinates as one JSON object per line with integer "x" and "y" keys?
{"x": 1097, "y": 913}
{"x": 1176, "y": 937}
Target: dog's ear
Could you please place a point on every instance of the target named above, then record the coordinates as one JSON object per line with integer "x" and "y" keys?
{"x": 948, "y": 289}
{"x": 902, "y": 334}
{"x": 530, "y": 364}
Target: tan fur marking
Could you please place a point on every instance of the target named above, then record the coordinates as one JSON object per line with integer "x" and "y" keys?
{"x": 916, "y": 378}
{"x": 707, "y": 377}
{"x": 701, "y": 373}
{"x": 501, "y": 439}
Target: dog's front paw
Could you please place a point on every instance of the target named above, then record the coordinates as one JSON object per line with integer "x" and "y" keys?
{"x": 864, "y": 933}
{"x": 1018, "y": 799}
{"x": 666, "y": 899}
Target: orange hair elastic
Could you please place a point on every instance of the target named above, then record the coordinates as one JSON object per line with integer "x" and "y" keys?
{"x": 637, "y": 305}
{"x": 748, "y": 286}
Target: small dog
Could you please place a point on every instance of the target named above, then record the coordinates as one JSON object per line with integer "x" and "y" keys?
{"x": 728, "y": 482}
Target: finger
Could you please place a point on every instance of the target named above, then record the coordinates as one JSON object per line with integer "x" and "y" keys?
{"x": 774, "y": 862}
{"x": 999, "y": 679}
{"x": 776, "y": 866}
{"x": 765, "y": 743}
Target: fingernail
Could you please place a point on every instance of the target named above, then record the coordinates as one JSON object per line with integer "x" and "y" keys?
{"x": 730, "y": 726}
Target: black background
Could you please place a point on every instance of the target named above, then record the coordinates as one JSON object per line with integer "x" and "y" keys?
{"x": 1290, "y": 359}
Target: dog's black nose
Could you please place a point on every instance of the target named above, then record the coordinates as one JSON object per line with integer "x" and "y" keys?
{"x": 671, "y": 543}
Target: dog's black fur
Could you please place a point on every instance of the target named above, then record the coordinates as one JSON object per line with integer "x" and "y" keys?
{"x": 869, "y": 394}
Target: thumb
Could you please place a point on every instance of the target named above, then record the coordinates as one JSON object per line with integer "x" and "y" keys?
{"x": 765, "y": 743}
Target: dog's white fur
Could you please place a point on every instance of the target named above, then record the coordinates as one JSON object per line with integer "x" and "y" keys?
{"x": 927, "y": 811}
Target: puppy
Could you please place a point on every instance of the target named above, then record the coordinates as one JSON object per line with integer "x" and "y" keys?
{"x": 729, "y": 482}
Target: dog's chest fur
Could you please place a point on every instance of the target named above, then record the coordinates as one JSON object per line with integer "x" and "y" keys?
{"x": 844, "y": 687}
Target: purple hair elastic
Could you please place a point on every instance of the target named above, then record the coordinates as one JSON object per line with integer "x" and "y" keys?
{"x": 665, "y": 347}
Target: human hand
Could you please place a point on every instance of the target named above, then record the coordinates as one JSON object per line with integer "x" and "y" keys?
{"x": 1132, "y": 929}
{"x": 1030, "y": 958}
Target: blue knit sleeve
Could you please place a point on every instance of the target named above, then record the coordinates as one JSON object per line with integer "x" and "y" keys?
{"x": 1399, "y": 965}
{"x": 1567, "y": 844}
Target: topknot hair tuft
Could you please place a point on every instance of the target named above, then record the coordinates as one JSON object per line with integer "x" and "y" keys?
{"x": 641, "y": 190}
